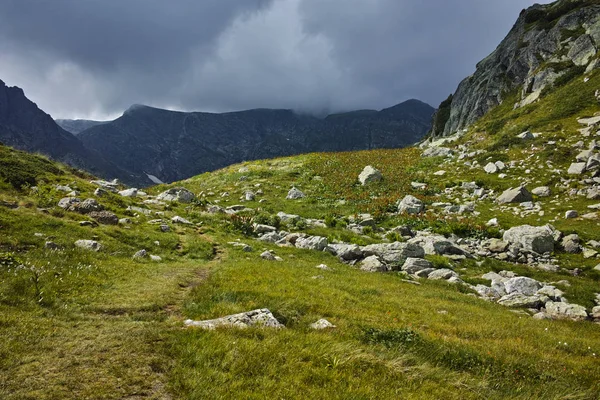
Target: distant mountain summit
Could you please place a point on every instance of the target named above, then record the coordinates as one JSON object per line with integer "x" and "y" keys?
{"x": 76, "y": 126}
{"x": 173, "y": 145}
{"x": 548, "y": 45}
{"x": 25, "y": 127}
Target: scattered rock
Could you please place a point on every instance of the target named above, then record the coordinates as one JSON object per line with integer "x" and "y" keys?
{"x": 577, "y": 168}
{"x": 372, "y": 264}
{"x": 88, "y": 245}
{"x": 105, "y": 217}
{"x": 179, "y": 194}
{"x": 180, "y": 220}
{"x": 322, "y": 324}
{"x": 410, "y": 205}
{"x": 571, "y": 214}
{"x": 530, "y": 238}
{"x": 515, "y": 195}
{"x": 542, "y": 191}
{"x": 559, "y": 310}
{"x": 295, "y": 194}
{"x": 369, "y": 175}
{"x": 141, "y": 254}
{"x": 133, "y": 192}
{"x": 256, "y": 318}
{"x": 312, "y": 243}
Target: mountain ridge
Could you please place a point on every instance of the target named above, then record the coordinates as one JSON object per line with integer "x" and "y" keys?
{"x": 174, "y": 145}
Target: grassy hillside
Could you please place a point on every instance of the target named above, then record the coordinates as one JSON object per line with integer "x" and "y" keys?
{"x": 83, "y": 324}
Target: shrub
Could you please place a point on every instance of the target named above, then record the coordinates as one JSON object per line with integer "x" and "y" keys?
{"x": 404, "y": 337}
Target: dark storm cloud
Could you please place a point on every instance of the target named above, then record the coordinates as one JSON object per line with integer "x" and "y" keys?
{"x": 93, "y": 58}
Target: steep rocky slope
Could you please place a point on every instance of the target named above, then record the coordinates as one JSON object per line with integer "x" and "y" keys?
{"x": 24, "y": 126}
{"x": 547, "y": 46}
{"x": 175, "y": 145}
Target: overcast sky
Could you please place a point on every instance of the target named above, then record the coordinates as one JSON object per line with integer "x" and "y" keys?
{"x": 94, "y": 58}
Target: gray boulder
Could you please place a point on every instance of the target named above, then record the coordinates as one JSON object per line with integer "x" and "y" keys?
{"x": 559, "y": 310}
{"x": 105, "y": 217}
{"x": 531, "y": 238}
{"x": 414, "y": 265}
{"x": 180, "y": 220}
{"x": 542, "y": 191}
{"x": 437, "y": 152}
{"x": 91, "y": 245}
{"x": 346, "y": 252}
{"x": 179, "y": 194}
{"x": 133, "y": 192}
{"x": 571, "y": 244}
{"x": 262, "y": 318}
{"x": 577, "y": 168}
{"x": 515, "y": 195}
{"x": 521, "y": 300}
{"x": 410, "y": 205}
{"x": 373, "y": 264}
{"x": 442, "y": 274}
{"x": 369, "y": 175}
{"x": 312, "y": 243}
{"x": 522, "y": 285}
{"x": 295, "y": 194}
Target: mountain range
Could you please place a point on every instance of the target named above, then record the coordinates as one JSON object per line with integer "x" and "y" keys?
{"x": 147, "y": 145}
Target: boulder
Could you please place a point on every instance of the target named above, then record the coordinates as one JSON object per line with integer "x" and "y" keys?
{"x": 437, "y": 152}
{"x": 133, "y": 192}
{"x": 288, "y": 218}
{"x": 413, "y": 265}
{"x": 394, "y": 253}
{"x": 571, "y": 244}
{"x": 442, "y": 274}
{"x": 179, "y": 194}
{"x": 522, "y": 285}
{"x": 531, "y": 238}
{"x": 68, "y": 202}
{"x": 527, "y": 135}
{"x": 347, "y": 252}
{"x": 267, "y": 255}
{"x": 88, "y": 245}
{"x": 312, "y": 243}
{"x": 521, "y": 300}
{"x": 577, "y": 168}
{"x": 141, "y": 254}
{"x": 515, "y": 195}
{"x": 295, "y": 194}
{"x": 437, "y": 244}
{"x": 180, "y": 220}
{"x": 497, "y": 246}
{"x": 369, "y": 175}
{"x": 491, "y": 168}
{"x": 260, "y": 229}
{"x": 571, "y": 214}
{"x": 262, "y": 318}
{"x": 271, "y": 237}
{"x": 105, "y": 217}
{"x": 542, "y": 191}
{"x": 373, "y": 264}
{"x": 559, "y": 310}
{"x": 410, "y": 205}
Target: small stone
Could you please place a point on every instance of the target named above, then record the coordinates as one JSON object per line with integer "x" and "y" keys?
{"x": 571, "y": 214}
{"x": 295, "y": 194}
{"x": 322, "y": 324}
{"x": 88, "y": 245}
{"x": 141, "y": 254}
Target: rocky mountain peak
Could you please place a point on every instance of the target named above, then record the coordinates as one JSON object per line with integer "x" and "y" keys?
{"x": 547, "y": 46}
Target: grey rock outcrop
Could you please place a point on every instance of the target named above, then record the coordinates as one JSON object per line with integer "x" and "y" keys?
{"x": 410, "y": 205}
{"x": 515, "y": 195}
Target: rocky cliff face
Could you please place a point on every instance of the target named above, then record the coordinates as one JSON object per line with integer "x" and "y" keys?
{"x": 25, "y": 127}
{"x": 175, "y": 145}
{"x": 547, "y": 44}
